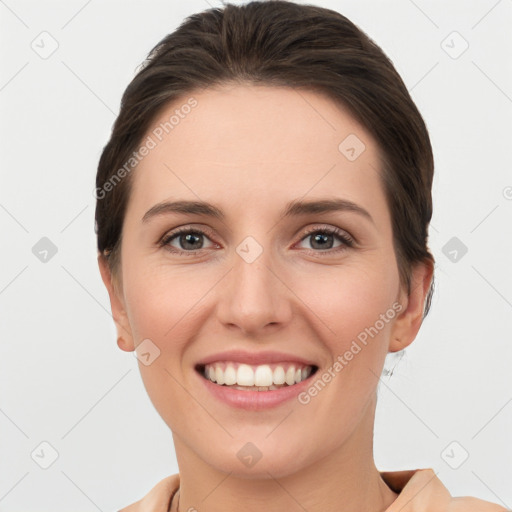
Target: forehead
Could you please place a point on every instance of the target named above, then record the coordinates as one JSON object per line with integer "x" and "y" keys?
{"x": 251, "y": 142}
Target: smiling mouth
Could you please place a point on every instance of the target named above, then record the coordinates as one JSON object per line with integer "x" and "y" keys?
{"x": 264, "y": 377}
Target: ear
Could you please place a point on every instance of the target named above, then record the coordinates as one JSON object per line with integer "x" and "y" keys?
{"x": 124, "y": 333}
{"x": 408, "y": 322}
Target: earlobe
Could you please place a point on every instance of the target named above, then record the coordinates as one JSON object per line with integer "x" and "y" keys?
{"x": 125, "y": 338}
{"x": 409, "y": 321}
{"x": 121, "y": 343}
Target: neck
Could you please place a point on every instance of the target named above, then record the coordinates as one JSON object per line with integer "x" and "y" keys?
{"x": 346, "y": 478}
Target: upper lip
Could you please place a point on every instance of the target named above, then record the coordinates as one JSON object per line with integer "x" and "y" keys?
{"x": 255, "y": 358}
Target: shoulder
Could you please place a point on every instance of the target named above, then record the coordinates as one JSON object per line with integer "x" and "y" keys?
{"x": 158, "y": 498}
{"x": 421, "y": 490}
{"x": 468, "y": 504}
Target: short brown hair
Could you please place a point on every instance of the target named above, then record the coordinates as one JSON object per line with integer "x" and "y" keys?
{"x": 280, "y": 43}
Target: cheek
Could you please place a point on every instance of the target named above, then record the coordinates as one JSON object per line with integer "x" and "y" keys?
{"x": 357, "y": 313}
{"x": 162, "y": 307}
{"x": 161, "y": 300}
{"x": 354, "y": 310}
{"x": 167, "y": 306}
{"x": 350, "y": 299}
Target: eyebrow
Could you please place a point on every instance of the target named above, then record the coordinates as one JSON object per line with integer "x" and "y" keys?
{"x": 299, "y": 207}
{"x": 294, "y": 208}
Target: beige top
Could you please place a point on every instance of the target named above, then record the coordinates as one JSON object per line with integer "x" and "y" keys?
{"x": 419, "y": 491}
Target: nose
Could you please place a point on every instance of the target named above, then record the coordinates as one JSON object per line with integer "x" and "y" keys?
{"x": 254, "y": 297}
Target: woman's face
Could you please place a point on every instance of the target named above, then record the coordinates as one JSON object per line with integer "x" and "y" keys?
{"x": 259, "y": 282}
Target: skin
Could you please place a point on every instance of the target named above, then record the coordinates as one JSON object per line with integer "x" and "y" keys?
{"x": 250, "y": 150}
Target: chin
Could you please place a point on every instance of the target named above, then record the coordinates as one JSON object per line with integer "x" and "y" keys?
{"x": 259, "y": 458}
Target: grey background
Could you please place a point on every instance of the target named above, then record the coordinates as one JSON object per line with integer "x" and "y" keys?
{"x": 63, "y": 380}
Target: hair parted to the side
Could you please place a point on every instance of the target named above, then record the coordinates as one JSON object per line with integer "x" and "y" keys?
{"x": 280, "y": 43}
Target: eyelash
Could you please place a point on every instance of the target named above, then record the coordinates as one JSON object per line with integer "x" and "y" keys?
{"x": 347, "y": 241}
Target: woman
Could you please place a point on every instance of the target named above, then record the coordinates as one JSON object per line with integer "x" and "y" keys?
{"x": 262, "y": 219}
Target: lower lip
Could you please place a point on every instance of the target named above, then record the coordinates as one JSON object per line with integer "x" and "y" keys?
{"x": 255, "y": 400}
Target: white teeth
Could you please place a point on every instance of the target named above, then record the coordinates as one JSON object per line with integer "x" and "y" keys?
{"x": 219, "y": 375}
{"x": 278, "y": 376}
{"x": 244, "y": 375}
{"x": 290, "y": 376}
{"x": 230, "y": 375}
{"x": 263, "y": 377}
